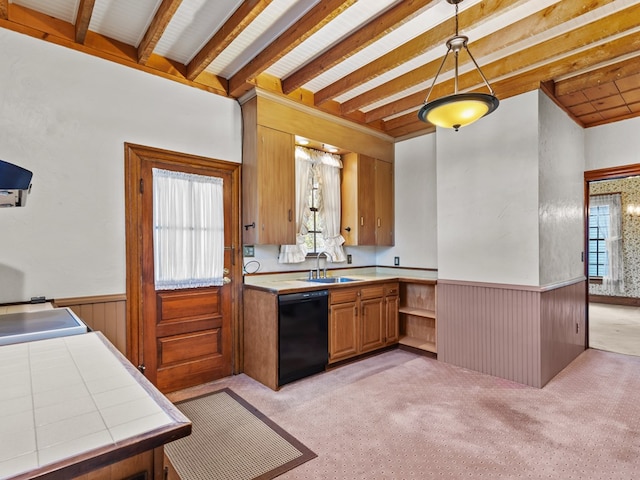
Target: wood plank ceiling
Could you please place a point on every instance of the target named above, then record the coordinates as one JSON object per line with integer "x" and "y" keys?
{"x": 368, "y": 61}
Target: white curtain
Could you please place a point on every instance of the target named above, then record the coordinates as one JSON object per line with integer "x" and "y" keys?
{"x": 614, "y": 279}
{"x": 329, "y": 173}
{"x": 304, "y": 183}
{"x": 188, "y": 220}
{"x": 326, "y": 168}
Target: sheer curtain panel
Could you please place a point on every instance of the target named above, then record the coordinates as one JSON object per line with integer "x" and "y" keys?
{"x": 614, "y": 278}
{"x": 298, "y": 252}
{"x": 329, "y": 169}
{"x": 188, "y": 240}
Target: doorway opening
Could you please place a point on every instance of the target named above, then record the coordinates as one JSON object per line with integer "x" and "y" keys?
{"x": 612, "y": 264}
{"x": 186, "y": 336}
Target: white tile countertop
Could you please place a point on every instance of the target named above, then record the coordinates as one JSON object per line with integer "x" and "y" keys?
{"x": 284, "y": 282}
{"x": 66, "y": 396}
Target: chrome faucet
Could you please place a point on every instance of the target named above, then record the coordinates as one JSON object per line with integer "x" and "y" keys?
{"x": 324, "y": 271}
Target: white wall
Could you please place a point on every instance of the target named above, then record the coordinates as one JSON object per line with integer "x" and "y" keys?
{"x": 613, "y": 144}
{"x": 487, "y": 176}
{"x": 415, "y": 205}
{"x": 561, "y": 194}
{"x": 66, "y": 116}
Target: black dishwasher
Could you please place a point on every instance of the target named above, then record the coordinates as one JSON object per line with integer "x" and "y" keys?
{"x": 303, "y": 334}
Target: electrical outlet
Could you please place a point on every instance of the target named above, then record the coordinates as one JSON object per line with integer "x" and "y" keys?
{"x": 349, "y": 258}
{"x": 248, "y": 251}
{"x": 396, "y": 261}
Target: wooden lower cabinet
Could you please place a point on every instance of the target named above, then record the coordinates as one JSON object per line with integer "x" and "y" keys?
{"x": 362, "y": 319}
{"x": 149, "y": 465}
{"x": 392, "y": 304}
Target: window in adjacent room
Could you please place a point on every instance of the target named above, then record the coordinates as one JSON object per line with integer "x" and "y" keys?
{"x": 606, "y": 261}
{"x": 598, "y": 232}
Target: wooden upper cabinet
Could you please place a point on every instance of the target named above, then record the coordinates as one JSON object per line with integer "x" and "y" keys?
{"x": 367, "y": 200}
{"x": 384, "y": 196}
{"x": 268, "y": 186}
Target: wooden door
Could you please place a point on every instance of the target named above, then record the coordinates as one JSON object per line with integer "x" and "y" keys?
{"x": 184, "y": 337}
{"x": 384, "y": 200}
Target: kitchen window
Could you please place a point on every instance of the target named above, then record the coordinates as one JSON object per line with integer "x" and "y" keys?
{"x": 317, "y": 207}
{"x": 314, "y": 239}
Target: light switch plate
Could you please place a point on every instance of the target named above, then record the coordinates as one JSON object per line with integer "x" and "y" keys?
{"x": 396, "y": 261}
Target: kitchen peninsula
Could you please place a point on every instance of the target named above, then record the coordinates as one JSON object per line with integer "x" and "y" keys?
{"x": 74, "y": 407}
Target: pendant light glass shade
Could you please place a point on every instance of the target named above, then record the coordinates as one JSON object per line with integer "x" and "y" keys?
{"x": 459, "y": 109}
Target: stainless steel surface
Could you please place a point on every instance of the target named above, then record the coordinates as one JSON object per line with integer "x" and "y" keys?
{"x": 324, "y": 271}
{"x": 329, "y": 280}
{"x": 29, "y": 326}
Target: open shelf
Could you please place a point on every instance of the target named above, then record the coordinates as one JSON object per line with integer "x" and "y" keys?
{"x": 417, "y": 315}
{"x": 419, "y": 343}
{"x": 418, "y": 312}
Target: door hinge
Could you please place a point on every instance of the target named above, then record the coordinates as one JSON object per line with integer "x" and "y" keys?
{"x": 142, "y": 368}
{"x": 141, "y": 186}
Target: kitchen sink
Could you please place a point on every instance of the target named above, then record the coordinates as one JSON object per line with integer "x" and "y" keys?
{"x": 329, "y": 280}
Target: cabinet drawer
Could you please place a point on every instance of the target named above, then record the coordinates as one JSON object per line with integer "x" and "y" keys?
{"x": 391, "y": 289}
{"x": 343, "y": 296}
{"x": 376, "y": 291}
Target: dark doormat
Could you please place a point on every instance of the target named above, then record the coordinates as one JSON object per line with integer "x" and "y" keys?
{"x": 231, "y": 439}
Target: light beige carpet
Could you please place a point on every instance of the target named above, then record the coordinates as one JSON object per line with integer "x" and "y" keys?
{"x": 614, "y": 328}
{"x": 231, "y": 440}
{"x": 401, "y": 416}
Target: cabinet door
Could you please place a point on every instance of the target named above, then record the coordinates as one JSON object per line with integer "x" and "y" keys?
{"x": 392, "y": 303}
{"x": 372, "y": 324}
{"x": 343, "y": 331}
{"x": 384, "y": 203}
{"x": 366, "y": 200}
{"x": 276, "y": 223}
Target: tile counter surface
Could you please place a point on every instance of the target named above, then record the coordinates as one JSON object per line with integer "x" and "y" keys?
{"x": 63, "y": 398}
{"x": 286, "y": 282}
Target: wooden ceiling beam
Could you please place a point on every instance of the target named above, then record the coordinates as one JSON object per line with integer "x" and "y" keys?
{"x": 241, "y": 19}
{"x": 159, "y": 23}
{"x": 604, "y": 74}
{"x": 316, "y": 18}
{"x": 83, "y": 18}
{"x": 436, "y": 36}
{"x": 357, "y": 41}
{"x": 518, "y": 64}
{"x": 523, "y": 29}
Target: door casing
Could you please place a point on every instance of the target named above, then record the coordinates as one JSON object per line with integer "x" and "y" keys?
{"x": 611, "y": 173}
{"x": 134, "y": 155}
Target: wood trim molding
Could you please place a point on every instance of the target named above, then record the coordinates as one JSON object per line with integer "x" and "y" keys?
{"x": 505, "y": 286}
{"x": 609, "y": 300}
{"x": 63, "y": 302}
{"x": 611, "y": 173}
{"x": 258, "y": 92}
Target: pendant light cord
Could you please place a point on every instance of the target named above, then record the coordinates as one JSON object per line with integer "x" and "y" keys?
{"x": 456, "y": 19}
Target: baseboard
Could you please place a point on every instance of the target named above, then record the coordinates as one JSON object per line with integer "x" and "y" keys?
{"x": 625, "y": 301}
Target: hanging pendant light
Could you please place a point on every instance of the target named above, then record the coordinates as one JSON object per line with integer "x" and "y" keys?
{"x": 459, "y": 109}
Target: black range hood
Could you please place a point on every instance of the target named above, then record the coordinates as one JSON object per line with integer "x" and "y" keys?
{"x": 15, "y": 185}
